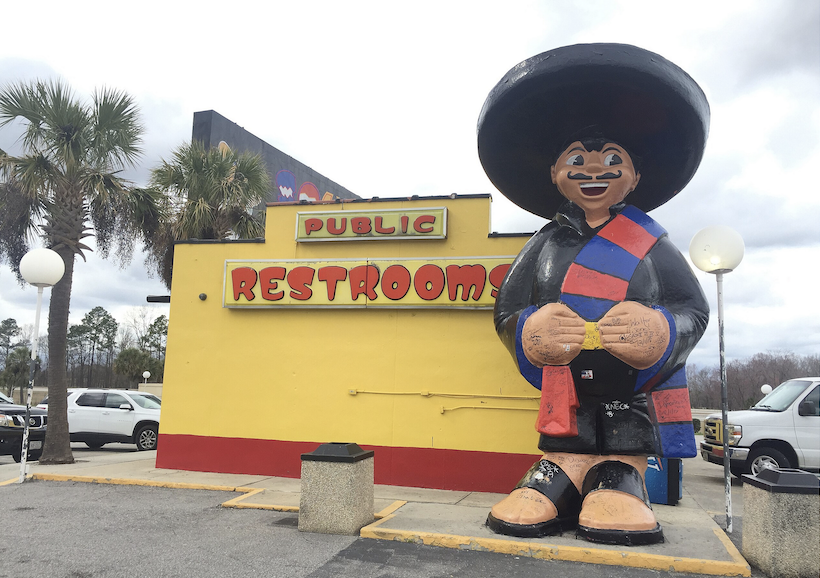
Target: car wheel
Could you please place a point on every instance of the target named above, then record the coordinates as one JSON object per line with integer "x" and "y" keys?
{"x": 762, "y": 458}
{"x": 95, "y": 445}
{"x": 147, "y": 438}
{"x": 33, "y": 455}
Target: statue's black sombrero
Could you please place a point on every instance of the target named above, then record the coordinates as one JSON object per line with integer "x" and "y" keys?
{"x": 623, "y": 93}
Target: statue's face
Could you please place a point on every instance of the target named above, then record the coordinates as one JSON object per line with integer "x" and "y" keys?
{"x": 595, "y": 180}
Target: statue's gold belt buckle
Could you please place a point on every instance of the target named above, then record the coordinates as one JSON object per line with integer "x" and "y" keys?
{"x": 592, "y": 339}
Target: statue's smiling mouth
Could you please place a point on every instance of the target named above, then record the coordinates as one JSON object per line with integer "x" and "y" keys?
{"x": 593, "y": 189}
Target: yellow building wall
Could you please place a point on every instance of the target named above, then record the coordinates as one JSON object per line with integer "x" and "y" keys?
{"x": 422, "y": 378}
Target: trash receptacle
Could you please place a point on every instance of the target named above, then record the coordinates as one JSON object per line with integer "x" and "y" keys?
{"x": 336, "y": 489}
{"x": 664, "y": 480}
{"x": 781, "y": 522}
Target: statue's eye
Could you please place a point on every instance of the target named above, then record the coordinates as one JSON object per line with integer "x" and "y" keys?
{"x": 576, "y": 160}
{"x": 612, "y": 159}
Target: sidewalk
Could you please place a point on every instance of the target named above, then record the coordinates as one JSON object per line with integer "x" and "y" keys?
{"x": 451, "y": 519}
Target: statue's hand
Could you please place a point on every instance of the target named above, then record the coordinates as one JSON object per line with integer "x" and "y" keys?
{"x": 553, "y": 335}
{"x": 635, "y": 334}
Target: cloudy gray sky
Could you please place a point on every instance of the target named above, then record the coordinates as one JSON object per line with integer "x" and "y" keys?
{"x": 383, "y": 98}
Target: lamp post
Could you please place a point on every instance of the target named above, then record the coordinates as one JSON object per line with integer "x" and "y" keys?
{"x": 719, "y": 250}
{"x": 145, "y": 375}
{"x": 41, "y": 268}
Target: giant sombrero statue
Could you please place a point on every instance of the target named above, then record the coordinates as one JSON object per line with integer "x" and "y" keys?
{"x": 599, "y": 310}
{"x": 620, "y": 92}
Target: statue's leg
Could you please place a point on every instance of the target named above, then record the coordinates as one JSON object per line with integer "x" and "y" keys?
{"x": 546, "y": 500}
{"x": 616, "y": 507}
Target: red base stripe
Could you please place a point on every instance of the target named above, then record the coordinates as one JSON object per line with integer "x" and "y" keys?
{"x": 416, "y": 467}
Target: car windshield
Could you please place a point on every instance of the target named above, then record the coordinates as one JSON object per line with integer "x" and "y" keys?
{"x": 782, "y": 396}
{"x": 146, "y": 400}
{"x": 4, "y": 399}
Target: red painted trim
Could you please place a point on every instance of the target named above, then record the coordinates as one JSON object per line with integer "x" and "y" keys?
{"x": 417, "y": 467}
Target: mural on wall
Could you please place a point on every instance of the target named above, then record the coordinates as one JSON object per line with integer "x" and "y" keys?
{"x": 286, "y": 185}
{"x": 304, "y": 183}
{"x": 599, "y": 310}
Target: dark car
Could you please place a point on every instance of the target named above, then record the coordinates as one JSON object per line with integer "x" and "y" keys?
{"x": 12, "y": 420}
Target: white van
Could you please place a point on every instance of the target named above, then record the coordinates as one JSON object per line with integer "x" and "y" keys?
{"x": 780, "y": 431}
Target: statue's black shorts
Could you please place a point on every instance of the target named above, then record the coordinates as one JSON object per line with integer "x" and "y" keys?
{"x": 611, "y": 418}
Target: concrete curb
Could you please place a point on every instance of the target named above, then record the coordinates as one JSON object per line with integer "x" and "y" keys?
{"x": 232, "y": 503}
{"x": 737, "y": 567}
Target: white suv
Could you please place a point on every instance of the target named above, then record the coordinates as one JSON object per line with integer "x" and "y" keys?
{"x": 101, "y": 416}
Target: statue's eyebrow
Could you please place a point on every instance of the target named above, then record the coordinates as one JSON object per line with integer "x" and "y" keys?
{"x": 612, "y": 149}
{"x": 582, "y": 149}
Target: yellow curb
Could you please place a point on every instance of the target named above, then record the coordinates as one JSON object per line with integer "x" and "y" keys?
{"x": 237, "y": 503}
{"x": 564, "y": 553}
{"x": 130, "y": 482}
{"x": 232, "y": 503}
{"x": 11, "y": 481}
{"x": 389, "y": 509}
{"x": 730, "y": 548}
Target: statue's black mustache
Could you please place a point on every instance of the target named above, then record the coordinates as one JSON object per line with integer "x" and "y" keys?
{"x": 583, "y": 177}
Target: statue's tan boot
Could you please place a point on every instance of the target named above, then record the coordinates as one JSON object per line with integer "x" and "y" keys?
{"x": 546, "y": 500}
{"x": 616, "y": 507}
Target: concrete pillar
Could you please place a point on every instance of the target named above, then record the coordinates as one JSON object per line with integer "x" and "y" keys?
{"x": 337, "y": 489}
{"x": 781, "y": 523}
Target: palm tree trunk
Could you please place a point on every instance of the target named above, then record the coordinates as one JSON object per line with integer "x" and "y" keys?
{"x": 57, "y": 448}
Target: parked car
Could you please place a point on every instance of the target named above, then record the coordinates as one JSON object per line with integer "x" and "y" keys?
{"x": 12, "y": 421}
{"x": 780, "y": 431}
{"x": 101, "y": 416}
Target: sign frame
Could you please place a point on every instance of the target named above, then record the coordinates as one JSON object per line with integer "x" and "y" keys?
{"x": 366, "y": 303}
{"x": 374, "y": 213}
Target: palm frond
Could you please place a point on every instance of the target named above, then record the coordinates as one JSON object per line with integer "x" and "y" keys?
{"x": 34, "y": 174}
{"x": 64, "y": 128}
{"x": 115, "y": 128}
{"x": 19, "y": 217}
{"x": 18, "y": 100}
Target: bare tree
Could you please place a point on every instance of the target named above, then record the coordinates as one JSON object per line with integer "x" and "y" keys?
{"x": 125, "y": 338}
{"x": 744, "y": 377}
{"x": 139, "y": 320}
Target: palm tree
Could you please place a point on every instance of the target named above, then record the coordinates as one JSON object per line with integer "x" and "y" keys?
{"x": 212, "y": 195}
{"x": 67, "y": 186}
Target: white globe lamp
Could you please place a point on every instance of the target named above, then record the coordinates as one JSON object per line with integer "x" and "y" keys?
{"x": 42, "y": 267}
{"x": 717, "y": 249}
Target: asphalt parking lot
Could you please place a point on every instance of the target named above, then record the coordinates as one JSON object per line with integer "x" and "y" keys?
{"x": 81, "y": 530}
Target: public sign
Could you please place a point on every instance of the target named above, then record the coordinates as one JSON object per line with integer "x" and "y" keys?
{"x": 352, "y": 225}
